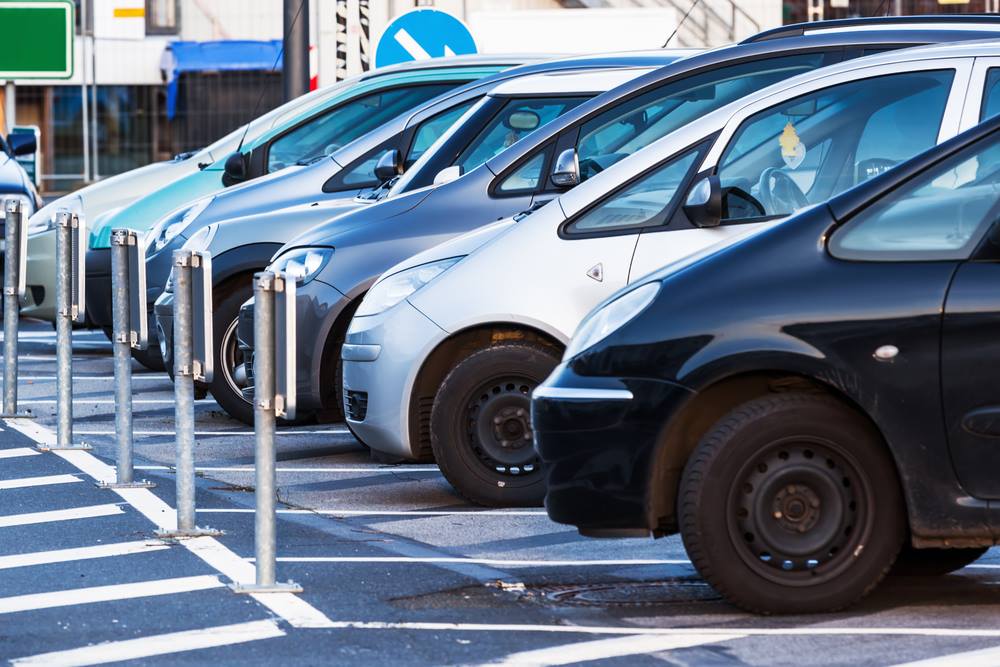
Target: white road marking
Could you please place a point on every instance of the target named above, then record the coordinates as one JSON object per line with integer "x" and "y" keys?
{"x": 478, "y": 561}
{"x": 602, "y": 649}
{"x": 79, "y": 553}
{"x": 43, "y": 480}
{"x": 331, "y": 469}
{"x": 110, "y": 593}
{"x": 17, "y": 452}
{"x": 334, "y": 512}
{"x": 162, "y": 378}
{"x": 332, "y": 431}
{"x": 89, "y": 512}
{"x": 296, "y": 611}
{"x": 987, "y": 657}
{"x": 166, "y": 644}
{"x": 111, "y": 401}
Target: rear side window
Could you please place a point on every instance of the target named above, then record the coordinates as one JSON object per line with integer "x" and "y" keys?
{"x": 940, "y": 215}
{"x": 807, "y": 149}
{"x": 639, "y": 121}
{"x": 432, "y": 129}
{"x": 325, "y": 134}
{"x": 991, "y": 94}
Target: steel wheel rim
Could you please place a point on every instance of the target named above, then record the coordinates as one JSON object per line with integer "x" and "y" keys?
{"x": 498, "y": 425}
{"x": 232, "y": 358}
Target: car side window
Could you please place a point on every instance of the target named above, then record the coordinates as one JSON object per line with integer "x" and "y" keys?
{"x": 807, "y": 149}
{"x": 991, "y": 94}
{"x": 637, "y": 122}
{"x": 326, "y": 133}
{"x": 643, "y": 203}
{"x": 526, "y": 177}
{"x": 939, "y": 215}
{"x": 432, "y": 129}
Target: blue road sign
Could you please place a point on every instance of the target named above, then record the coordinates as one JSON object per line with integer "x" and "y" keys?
{"x": 421, "y": 34}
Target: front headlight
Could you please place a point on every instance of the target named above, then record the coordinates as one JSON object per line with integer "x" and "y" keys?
{"x": 202, "y": 238}
{"x": 172, "y": 224}
{"x": 389, "y": 291}
{"x": 303, "y": 263}
{"x": 602, "y": 323}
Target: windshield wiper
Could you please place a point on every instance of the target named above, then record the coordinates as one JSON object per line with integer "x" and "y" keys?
{"x": 531, "y": 209}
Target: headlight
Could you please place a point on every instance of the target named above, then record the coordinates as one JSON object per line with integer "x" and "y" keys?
{"x": 303, "y": 263}
{"x": 389, "y": 291}
{"x": 172, "y": 224}
{"x": 202, "y": 238}
{"x": 602, "y": 323}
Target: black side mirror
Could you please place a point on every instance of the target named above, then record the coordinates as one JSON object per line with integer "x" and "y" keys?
{"x": 22, "y": 143}
{"x": 236, "y": 168}
{"x": 566, "y": 172}
{"x": 703, "y": 206}
{"x": 389, "y": 166}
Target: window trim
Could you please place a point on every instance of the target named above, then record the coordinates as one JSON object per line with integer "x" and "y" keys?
{"x": 494, "y": 191}
{"x": 157, "y": 30}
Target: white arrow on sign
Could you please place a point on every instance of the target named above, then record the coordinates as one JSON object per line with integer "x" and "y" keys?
{"x": 416, "y": 51}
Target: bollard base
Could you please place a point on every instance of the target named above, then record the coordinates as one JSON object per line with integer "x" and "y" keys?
{"x": 141, "y": 484}
{"x": 278, "y": 587}
{"x": 81, "y": 446}
{"x": 179, "y": 534}
{"x": 18, "y": 415}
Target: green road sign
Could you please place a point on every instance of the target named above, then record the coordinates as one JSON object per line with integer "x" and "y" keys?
{"x": 37, "y": 39}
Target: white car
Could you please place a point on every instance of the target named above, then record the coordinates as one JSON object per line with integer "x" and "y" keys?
{"x": 444, "y": 351}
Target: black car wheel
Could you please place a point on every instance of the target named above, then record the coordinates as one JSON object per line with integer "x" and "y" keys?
{"x": 934, "y": 562}
{"x": 227, "y": 383}
{"x": 481, "y": 427}
{"x": 791, "y": 504}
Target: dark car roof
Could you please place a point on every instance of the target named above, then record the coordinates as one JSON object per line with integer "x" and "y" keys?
{"x": 846, "y": 203}
{"x": 738, "y": 52}
{"x": 944, "y": 20}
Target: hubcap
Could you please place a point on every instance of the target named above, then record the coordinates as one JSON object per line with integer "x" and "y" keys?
{"x": 498, "y": 425}
{"x": 799, "y": 512}
{"x": 232, "y": 359}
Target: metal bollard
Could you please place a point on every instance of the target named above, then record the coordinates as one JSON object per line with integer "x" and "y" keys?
{"x": 69, "y": 308}
{"x": 186, "y": 367}
{"x": 267, "y": 406}
{"x": 13, "y": 291}
{"x": 128, "y": 294}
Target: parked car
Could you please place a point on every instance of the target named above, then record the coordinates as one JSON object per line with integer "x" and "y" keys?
{"x": 443, "y": 352}
{"x": 14, "y": 180}
{"x": 805, "y": 403}
{"x": 549, "y": 161}
{"x": 328, "y": 124}
{"x": 99, "y": 202}
{"x": 513, "y": 108}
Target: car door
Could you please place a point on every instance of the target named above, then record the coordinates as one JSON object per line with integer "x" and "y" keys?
{"x": 820, "y": 139}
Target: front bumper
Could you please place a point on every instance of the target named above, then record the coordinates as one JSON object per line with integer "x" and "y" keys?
{"x": 382, "y": 355}
{"x": 597, "y": 438}
{"x": 318, "y": 305}
{"x": 40, "y": 300}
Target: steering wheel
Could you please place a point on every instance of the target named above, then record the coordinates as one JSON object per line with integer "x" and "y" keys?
{"x": 778, "y": 193}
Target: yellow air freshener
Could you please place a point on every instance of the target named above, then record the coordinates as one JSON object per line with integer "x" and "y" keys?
{"x": 793, "y": 151}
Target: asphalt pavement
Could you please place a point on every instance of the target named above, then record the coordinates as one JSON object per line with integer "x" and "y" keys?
{"x": 395, "y": 567}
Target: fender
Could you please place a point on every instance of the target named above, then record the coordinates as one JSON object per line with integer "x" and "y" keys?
{"x": 252, "y": 257}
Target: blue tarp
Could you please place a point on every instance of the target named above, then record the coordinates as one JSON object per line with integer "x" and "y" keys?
{"x": 228, "y": 55}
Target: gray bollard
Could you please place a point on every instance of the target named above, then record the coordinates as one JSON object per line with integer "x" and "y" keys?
{"x": 266, "y": 409}
{"x": 185, "y": 366}
{"x": 69, "y": 308}
{"x": 13, "y": 292}
{"x": 127, "y": 294}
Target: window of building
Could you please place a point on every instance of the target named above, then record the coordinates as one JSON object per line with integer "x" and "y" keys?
{"x": 162, "y": 17}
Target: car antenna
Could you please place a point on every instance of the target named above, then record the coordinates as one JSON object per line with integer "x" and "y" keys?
{"x": 681, "y": 22}
{"x": 878, "y": 10}
{"x": 281, "y": 52}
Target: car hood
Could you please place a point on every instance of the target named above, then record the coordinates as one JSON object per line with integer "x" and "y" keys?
{"x": 458, "y": 246}
{"x": 287, "y": 187}
{"x": 330, "y": 231}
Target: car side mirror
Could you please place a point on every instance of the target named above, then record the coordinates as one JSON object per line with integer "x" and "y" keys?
{"x": 566, "y": 172}
{"x": 389, "y": 166}
{"x": 236, "y": 168}
{"x": 448, "y": 174}
{"x": 22, "y": 143}
{"x": 703, "y": 205}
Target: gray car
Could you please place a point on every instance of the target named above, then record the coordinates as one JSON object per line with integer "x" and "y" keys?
{"x": 590, "y": 138}
{"x": 488, "y": 125}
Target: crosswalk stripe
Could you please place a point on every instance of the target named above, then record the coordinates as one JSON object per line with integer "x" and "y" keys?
{"x": 79, "y": 553}
{"x": 89, "y": 512}
{"x": 166, "y": 644}
{"x": 43, "y": 480}
{"x": 68, "y": 598}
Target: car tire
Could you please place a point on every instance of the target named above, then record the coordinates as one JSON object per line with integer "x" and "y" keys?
{"x": 480, "y": 425}
{"x": 913, "y": 562}
{"x": 791, "y": 504}
{"x": 223, "y": 387}
{"x": 150, "y": 358}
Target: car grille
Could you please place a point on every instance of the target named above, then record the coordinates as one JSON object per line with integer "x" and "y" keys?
{"x": 356, "y": 405}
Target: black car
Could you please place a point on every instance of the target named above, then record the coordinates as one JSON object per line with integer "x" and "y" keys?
{"x": 805, "y": 404}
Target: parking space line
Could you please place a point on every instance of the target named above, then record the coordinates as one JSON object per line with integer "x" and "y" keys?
{"x": 141, "y": 589}
{"x": 296, "y": 611}
{"x": 110, "y": 378}
{"x": 329, "y": 469}
{"x": 111, "y": 401}
{"x": 89, "y": 512}
{"x": 987, "y": 657}
{"x": 280, "y": 433}
{"x": 602, "y": 649}
{"x": 17, "y": 452}
{"x": 478, "y": 561}
{"x": 79, "y": 553}
{"x": 166, "y": 644}
{"x": 333, "y": 512}
{"x": 43, "y": 480}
